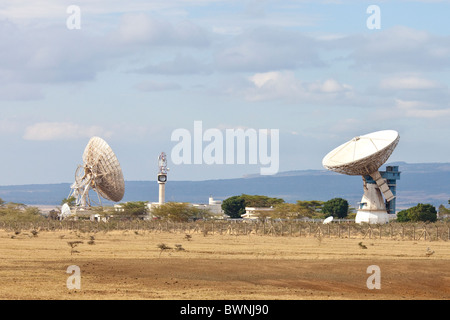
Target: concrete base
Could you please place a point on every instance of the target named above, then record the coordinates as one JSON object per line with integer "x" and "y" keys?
{"x": 371, "y": 216}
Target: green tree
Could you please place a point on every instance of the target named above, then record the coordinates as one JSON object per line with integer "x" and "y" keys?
{"x": 443, "y": 210}
{"x": 309, "y": 208}
{"x": 285, "y": 211}
{"x": 19, "y": 212}
{"x": 420, "y": 212}
{"x": 175, "y": 211}
{"x": 423, "y": 212}
{"x": 300, "y": 209}
{"x": 336, "y": 207}
{"x": 402, "y": 216}
{"x": 200, "y": 213}
{"x": 260, "y": 201}
{"x": 134, "y": 208}
{"x": 234, "y": 206}
{"x": 70, "y": 201}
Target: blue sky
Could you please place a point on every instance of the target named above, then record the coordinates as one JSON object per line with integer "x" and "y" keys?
{"x": 138, "y": 70}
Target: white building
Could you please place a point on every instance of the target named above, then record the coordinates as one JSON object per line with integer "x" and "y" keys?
{"x": 253, "y": 213}
{"x": 214, "y": 206}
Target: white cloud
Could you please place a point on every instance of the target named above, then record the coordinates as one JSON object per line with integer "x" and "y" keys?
{"x": 32, "y": 58}
{"x": 329, "y": 86}
{"x": 420, "y": 109}
{"x": 50, "y": 9}
{"x": 268, "y": 78}
{"x": 49, "y": 131}
{"x": 408, "y": 83}
{"x": 44, "y": 55}
{"x": 145, "y": 29}
{"x": 285, "y": 85}
{"x": 267, "y": 48}
{"x": 397, "y": 49}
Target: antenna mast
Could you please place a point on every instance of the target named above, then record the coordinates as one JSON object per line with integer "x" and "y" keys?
{"x": 162, "y": 176}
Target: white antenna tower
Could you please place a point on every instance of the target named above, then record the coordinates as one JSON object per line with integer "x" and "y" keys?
{"x": 162, "y": 176}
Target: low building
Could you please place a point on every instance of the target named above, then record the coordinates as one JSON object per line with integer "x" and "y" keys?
{"x": 214, "y": 206}
{"x": 118, "y": 208}
{"x": 253, "y": 213}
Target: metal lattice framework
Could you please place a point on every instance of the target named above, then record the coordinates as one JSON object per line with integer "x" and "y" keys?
{"x": 101, "y": 172}
{"x": 162, "y": 163}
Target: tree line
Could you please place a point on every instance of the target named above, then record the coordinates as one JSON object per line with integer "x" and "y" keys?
{"x": 234, "y": 207}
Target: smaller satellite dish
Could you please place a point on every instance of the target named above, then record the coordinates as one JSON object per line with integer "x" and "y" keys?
{"x": 328, "y": 220}
{"x": 65, "y": 211}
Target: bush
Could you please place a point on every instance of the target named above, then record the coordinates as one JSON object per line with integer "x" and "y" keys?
{"x": 174, "y": 211}
{"x": 421, "y": 212}
{"x": 133, "y": 209}
{"x": 19, "y": 212}
{"x": 337, "y": 207}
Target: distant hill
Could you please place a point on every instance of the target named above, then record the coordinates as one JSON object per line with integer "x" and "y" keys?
{"x": 420, "y": 182}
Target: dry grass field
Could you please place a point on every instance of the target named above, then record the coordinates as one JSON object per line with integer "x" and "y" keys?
{"x": 131, "y": 265}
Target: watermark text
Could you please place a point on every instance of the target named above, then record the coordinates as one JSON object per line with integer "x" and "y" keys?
{"x": 235, "y": 146}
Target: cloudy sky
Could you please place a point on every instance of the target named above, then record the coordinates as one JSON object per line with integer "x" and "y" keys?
{"x": 135, "y": 71}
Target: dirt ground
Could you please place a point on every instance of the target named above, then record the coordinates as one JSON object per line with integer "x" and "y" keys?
{"x": 131, "y": 265}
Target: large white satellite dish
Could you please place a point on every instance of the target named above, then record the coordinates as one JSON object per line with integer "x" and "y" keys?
{"x": 100, "y": 172}
{"x": 364, "y": 155}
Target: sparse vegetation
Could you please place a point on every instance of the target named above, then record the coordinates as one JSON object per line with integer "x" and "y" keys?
{"x": 180, "y": 212}
{"x": 362, "y": 246}
{"x": 261, "y": 258}
{"x": 73, "y": 245}
{"x": 179, "y": 247}
{"x": 80, "y": 229}
{"x": 163, "y": 247}
{"x": 91, "y": 240}
{"x": 133, "y": 209}
{"x": 18, "y": 212}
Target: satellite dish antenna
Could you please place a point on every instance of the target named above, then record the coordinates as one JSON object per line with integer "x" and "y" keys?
{"x": 328, "y": 220}
{"x": 65, "y": 211}
{"x": 363, "y": 156}
{"x": 100, "y": 172}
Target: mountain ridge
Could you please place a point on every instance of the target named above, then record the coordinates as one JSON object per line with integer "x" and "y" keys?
{"x": 419, "y": 182}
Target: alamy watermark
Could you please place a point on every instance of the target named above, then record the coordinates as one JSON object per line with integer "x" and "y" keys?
{"x": 235, "y": 146}
{"x": 74, "y": 280}
{"x": 374, "y": 281}
{"x": 374, "y": 20}
{"x": 74, "y": 20}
